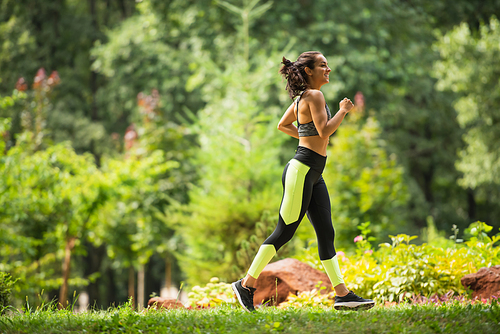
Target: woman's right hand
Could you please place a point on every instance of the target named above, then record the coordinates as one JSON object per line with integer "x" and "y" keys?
{"x": 346, "y": 105}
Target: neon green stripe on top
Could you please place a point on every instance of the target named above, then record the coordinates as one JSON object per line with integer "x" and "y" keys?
{"x": 294, "y": 191}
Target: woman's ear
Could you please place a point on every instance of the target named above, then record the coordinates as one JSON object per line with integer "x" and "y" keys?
{"x": 308, "y": 71}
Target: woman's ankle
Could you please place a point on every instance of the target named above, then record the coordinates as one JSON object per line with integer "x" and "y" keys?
{"x": 248, "y": 282}
{"x": 341, "y": 290}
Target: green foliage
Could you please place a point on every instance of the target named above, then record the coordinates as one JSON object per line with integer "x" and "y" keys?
{"x": 248, "y": 14}
{"x": 238, "y": 164}
{"x": 4, "y": 127}
{"x": 134, "y": 228}
{"x": 47, "y": 197}
{"x": 57, "y": 200}
{"x": 214, "y": 294}
{"x": 6, "y": 104}
{"x": 313, "y": 298}
{"x": 9, "y": 101}
{"x": 398, "y": 271}
{"x": 148, "y": 51}
{"x": 59, "y": 36}
{"x": 469, "y": 67}
{"x": 6, "y": 284}
{"x": 364, "y": 182}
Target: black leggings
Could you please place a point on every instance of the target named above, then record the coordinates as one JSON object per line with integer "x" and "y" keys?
{"x": 305, "y": 192}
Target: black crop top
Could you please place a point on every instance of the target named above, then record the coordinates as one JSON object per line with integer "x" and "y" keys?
{"x": 309, "y": 129}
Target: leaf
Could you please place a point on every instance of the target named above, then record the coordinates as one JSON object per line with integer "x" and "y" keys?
{"x": 229, "y": 7}
{"x": 259, "y": 11}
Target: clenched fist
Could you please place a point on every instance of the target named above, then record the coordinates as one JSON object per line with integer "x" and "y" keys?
{"x": 346, "y": 104}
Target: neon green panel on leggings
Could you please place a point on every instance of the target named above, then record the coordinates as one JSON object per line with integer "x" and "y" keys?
{"x": 264, "y": 255}
{"x": 333, "y": 271}
{"x": 294, "y": 190}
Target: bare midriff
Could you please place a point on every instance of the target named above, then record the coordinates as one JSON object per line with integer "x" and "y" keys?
{"x": 315, "y": 143}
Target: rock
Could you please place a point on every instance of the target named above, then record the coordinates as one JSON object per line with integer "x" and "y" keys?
{"x": 292, "y": 276}
{"x": 485, "y": 283}
{"x": 167, "y": 303}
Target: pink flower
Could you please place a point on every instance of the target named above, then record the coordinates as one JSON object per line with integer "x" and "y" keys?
{"x": 369, "y": 251}
{"x": 358, "y": 238}
{"x": 340, "y": 254}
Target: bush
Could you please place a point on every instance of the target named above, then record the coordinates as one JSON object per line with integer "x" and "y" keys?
{"x": 213, "y": 294}
{"x": 312, "y": 298}
{"x": 401, "y": 270}
{"x": 6, "y": 284}
{"x": 395, "y": 272}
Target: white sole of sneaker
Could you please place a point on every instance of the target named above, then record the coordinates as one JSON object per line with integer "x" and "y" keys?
{"x": 354, "y": 306}
{"x": 233, "y": 286}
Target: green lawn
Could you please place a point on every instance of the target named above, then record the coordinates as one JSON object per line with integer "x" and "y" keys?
{"x": 451, "y": 318}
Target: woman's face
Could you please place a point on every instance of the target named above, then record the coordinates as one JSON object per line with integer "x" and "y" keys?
{"x": 320, "y": 75}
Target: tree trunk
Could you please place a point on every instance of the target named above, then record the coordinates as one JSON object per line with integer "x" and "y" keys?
{"x": 131, "y": 284}
{"x": 471, "y": 201}
{"x": 110, "y": 287}
{"x": 140, "y": 288}
{"x": 92, "y": 264}
{"x": 168, "y": 273}
{"x": 63, "y": 294}
{"x": 93, "y": 75}
{"x": 123, "y": 8}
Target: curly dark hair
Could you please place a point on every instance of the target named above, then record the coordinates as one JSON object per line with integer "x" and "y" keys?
{"x": 295, "y": 74}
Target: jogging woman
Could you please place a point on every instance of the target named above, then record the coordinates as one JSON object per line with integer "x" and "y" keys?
{"x": 304, "y": 191}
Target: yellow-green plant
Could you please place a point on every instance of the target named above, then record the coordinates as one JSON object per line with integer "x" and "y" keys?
{"x": 6, "y": 284}
{"x": 397, "y": 271}
{"x": 313, "y": 298}
{"x": 215, "y": 293}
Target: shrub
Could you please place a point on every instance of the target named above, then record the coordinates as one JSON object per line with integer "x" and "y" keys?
{"x": 393, "y": 273}
{"x": 213, "y": 294}
{"x": 398, "y": 271}
{"x": 6, "y": 284}
{"x": 312, "y": 298}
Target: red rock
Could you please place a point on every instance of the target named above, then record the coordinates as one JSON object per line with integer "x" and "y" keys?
{"x": 485, "y": 283}
{"x": 158, "y": 302}
{"x": 292, "y": 276}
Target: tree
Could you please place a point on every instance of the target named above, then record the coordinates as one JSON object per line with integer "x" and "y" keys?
{"x": 146, "y": 179}
{"x": 133, "y": 229}
{"x": 146, "y": 52}
{"x": 470, "y": 68}
{"x": 52, "y": 197}
{"x": 59, "y": 35}
{"x": 47, "y": 195}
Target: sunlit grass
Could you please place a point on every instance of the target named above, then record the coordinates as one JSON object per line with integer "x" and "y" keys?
{"x": 454, "y": 317}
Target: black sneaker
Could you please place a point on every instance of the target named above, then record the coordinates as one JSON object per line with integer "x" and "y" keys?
{"x": 352, "y": 302}
{"x": 244, "y": 295}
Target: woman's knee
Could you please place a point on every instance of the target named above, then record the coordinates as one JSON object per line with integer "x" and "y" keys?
{"x": 282, "y": 234}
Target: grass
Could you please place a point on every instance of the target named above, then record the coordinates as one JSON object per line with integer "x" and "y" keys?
{"x": 450, "y": 318}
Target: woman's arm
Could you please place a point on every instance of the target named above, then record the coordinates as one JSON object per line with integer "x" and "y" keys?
{"x": 324, "y": 126}
{"x": 286, "y": 123}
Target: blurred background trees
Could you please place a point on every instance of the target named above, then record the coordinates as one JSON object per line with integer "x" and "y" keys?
{"x": 152, "y": 157}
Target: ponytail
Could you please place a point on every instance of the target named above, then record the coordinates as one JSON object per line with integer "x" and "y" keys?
{"x": 294, "y": 72}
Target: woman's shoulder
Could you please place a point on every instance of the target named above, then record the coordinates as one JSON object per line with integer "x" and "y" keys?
{"x": 314, "y": 95}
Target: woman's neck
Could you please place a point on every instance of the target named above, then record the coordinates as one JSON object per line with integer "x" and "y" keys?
{"x": 314, "y": 86}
